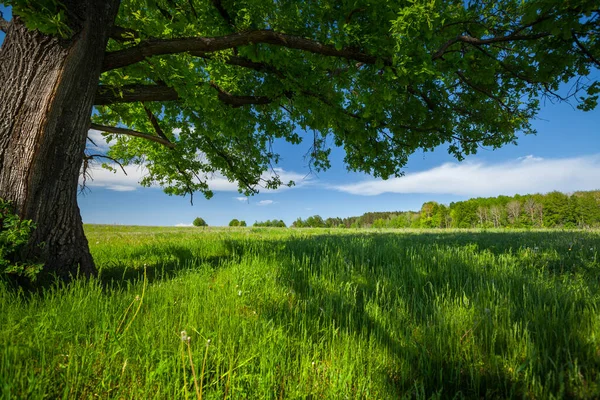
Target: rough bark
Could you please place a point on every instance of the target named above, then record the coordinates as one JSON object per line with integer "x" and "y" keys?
{"x": 47, "y": 87}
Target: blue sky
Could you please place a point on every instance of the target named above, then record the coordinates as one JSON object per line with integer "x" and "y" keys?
{"x": 564, "y": 155}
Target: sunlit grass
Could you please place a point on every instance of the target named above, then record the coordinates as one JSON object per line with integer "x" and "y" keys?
{"x": 313, "y": 313}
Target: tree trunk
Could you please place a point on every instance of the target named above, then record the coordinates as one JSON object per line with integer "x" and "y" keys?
{"x": 47, "y": 87}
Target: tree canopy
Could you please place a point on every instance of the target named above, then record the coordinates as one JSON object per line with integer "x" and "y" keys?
{"x": 213, "y": 84}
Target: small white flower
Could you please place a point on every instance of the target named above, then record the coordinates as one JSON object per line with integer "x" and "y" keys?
{"x": 185, "y": 337}
{"x": 239, "y": 292}
{"x": 137, "y": 298}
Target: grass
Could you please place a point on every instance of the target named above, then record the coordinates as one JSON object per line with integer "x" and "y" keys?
{"x": 283, "y": 313}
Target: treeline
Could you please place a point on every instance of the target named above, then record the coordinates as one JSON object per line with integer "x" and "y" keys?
{"x": 271, "y": 223}
{"x": 551, "y": 210}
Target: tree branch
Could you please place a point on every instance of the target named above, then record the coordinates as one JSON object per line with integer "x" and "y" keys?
{"x": 134, "y": 93}
{"x": 155, "y": 124}
{"x": 130, "y": 132}
{"x": 480, "y": 42}
{"x": 223, "y": 12}
{"x": 92, "y": 156}
{"x": 121, "y": 34}
{"x": 239, "y": 101}
{"x": 585, "y": 50}
{"x": 155, "y": 47}
{"x": 106, "y": 95}
{"x": 481, "y": 90}
{"x": 242, "y": 62}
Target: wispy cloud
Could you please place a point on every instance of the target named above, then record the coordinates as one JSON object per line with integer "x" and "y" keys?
{"x": 265, "y": 203}
{"x": 241, "y": 199}
{"x": 525, "y": 175}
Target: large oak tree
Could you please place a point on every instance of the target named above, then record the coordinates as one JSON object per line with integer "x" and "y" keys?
{"x": 192, "y": 87}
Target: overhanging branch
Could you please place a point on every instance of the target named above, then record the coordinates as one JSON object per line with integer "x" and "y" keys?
{"x": 130, "y": 132}
{"x": 134, "y": 93}
{"x": 155, "y": 47}
{"x": 106, "y": 95}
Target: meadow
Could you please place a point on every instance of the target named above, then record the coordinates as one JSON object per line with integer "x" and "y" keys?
{"x": 276, "y": 313}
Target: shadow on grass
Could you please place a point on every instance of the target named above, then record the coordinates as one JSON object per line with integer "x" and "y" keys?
{"x": 177, "y": 259}
{"x": 557, "y": 354}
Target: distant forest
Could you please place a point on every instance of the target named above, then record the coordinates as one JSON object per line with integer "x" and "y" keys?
{"x": 551, "y": 210}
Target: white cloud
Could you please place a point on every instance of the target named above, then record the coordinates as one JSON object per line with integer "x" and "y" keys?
{"x": 265, "y": 202}
{"x": 241, "y": 199}
{"x": 118, "y": 181}
{"x": 99, "y": 141}
{"x": 525, "y": 175}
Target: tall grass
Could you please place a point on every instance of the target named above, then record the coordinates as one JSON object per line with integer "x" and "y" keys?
{"x": 311, "y": 313}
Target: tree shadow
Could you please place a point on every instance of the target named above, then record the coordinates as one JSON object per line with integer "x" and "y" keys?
{"x": 174, "y": 260}
{"x": 554, "y": 342}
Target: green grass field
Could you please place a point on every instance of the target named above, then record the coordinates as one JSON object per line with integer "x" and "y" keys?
{"x": 283, "y": 313}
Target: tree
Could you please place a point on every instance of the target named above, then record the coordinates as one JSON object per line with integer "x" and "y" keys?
{"x": 513, "y": 211}
{"x": 191, "y": 88}
{"x": 234, "y": 222}
{"x": 199, "y": 222}
{"x": 496, "y": 214}
{"x": 482, "y": 215}
{"x": 243, "y": 223}
{"x": 533, "y": 210}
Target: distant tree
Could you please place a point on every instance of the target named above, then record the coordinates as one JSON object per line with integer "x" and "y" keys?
{"x": 533, "y": 210}
{"x": 513, "y": 211}
{"x": 234, "y": 222}
{"x": 199, "y": 222}
{"x": 271, "y": 223}
{"x": 298, "y": 223}
{"x": 380, "y": 223}
{"x": 482, "y": 215}
{"x": 496, "y": 214}
{"x": 556, "y": 209}
{"x": 588, "y": 210}
{"x": 315, "y": 221}
{"x": 243, "y": 223}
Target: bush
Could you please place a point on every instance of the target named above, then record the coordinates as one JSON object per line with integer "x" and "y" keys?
{"x": 14, "y": 234}
{"x": 234, "y": 222}
{"x": 199, "y": 222}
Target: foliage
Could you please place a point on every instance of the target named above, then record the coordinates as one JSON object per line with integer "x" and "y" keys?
{"x": 382, "y": 80}
{"x": 234, "y": 222}
{"x": 299, "y": 314}
{"x": 271, "y": 223}
{"x": 46, "y": 16}
{"x": 243, "y": 223}
{"x": 199, "y": 222}
{"x": 14, "y": 234}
